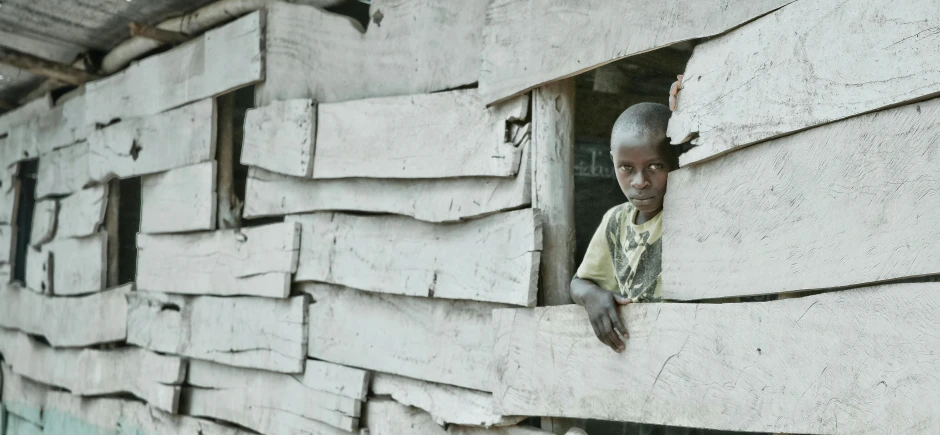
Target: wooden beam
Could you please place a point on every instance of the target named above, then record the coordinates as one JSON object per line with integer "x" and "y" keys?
{"x": 45, "y": 68}
{"x": 158, "y": 34}
{"x": 179, "y": 200}
{"x": 281, "y": 137}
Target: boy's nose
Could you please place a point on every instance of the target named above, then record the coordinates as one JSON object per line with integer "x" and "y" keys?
{"x": 639, "y": 181}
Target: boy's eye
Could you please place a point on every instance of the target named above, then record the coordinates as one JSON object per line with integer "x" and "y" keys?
{"x": 625, "y": 168}
{"x": 656, "y": 166}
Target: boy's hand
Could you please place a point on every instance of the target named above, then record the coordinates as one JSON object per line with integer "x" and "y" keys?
{"x": 674, "y": 93}
{"x": 601, "y": 306}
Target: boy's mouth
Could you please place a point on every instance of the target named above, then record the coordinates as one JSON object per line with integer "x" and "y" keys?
{"x": 644, "y": 200}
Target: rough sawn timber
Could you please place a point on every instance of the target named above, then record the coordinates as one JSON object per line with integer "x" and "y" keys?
{"x": 24, "y": 113}
{"x": 43, "y": 227}
{"x": 336, "y": 379}
{"x": 63, "y": 171}
{"x": 179, "y": 200}
{"x": 493, "y": 259}
{"x": 221, "y": 60}
{"x": 877, "y": 221}
{"x": 437, "y": 340}
{"x": 410, "y": 47}
{"x": 22, "y": 396}
{"x": 431, "y": 200}
{"x": 441, "y": 135}
{"x": 79, "y": 266}
{"x": 255, "y": 261}
{"x": 61, "y": 126}
{"x": 886, "y": 51}
{"x": 66, "y": 322}
{"x": 82, "y": 213}
{"x": 281, "y": 137}
{"x": 528, "y": 43}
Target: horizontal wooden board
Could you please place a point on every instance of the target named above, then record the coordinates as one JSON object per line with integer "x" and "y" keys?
{"x": 261, "y": 333}
{"x": 90, "y": 372}
{"x": 63, "y": 171}
{"x": 79, "y": 266}
{"x": 850, "y": 362}
{"x": 507, "y": 430}
{"x": 82, "y": 213}
{"x": 441, "y": 135}
{"x": 39, "y": 271}
{"x": 43, "y": 226}
{"x": 179, "y": 200}
{"x": 388, "y": 417}
{"x": 18, "y": 426}
{"x": 336, "y": 379}
{"x": 141, "y": 146}
{"x": 870, "y": 221}
{"x": 281, "y": 136}
{"x": 436, "y": 340}
{"x": 885, "y": 57}
{"x": 61, "y": 126}
{"x": 494, "y": 259}
{"x": 445, "y": 403}
{"x": 8, "y": 191}
{"x": 392, "y": 57}
{"x": 66, "y": 322}
{"x": 264, "y": 401}
{"x": 6, "y": 243}
{"x": 528, "y": 43}
{"x": 435, "y": 200}
{"x": 24, "y": 113}
{"x": 222, "y": 59}
{"x": 255, "y": 261}
{"x": 22, "y": 397}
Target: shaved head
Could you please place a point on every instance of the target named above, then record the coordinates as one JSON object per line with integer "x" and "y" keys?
{"x": 646, "y": 122}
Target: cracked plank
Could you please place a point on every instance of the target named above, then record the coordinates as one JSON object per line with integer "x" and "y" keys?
{"x": 891, "y": 61}
{"x": 878, "y": 221}
{"x": 179, "y": 200}
{"x": 336, "y": 379}
{"x": 281, "y": 136}
{"x": 21, "y": 396}
{"x": 441, "y": 135}
{"x": 82, "y": 213}
{"x": 63, "y": 171}
{"x": 493, "y": 259}
{"x": 43, "y": 226}
{"x": 61, "y": 126}
{"x": 79, "y": 265}
{"x": 260, "y": 333}
{"x": 388, "y": 417}
{"x": 255, "y": 261}
{"x": 39, "y": 271}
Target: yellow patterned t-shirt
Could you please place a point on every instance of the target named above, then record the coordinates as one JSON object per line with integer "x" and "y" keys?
{"x": 625, "y": 257}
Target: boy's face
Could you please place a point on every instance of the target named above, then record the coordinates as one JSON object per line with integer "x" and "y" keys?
{"x": 641, "y": 171}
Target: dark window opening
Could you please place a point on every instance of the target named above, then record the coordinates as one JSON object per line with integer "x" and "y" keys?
{"x": 127, "y": 194}
{"x": 23, "y": 215}
{"x": 244, "y": 100}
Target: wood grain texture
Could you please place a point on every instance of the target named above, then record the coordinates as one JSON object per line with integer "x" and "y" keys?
{"x": 873, "y": 69}
{"x": 441, "y": 135}
{"x": 848, "y": 362}
{"x": 281, "y": 137}
{"x": 21, "y": 396}
{"x": 18, "y": 426}
{"x": 873, "y": 216}
{"x": 336, "y": 379}
{"x": 82, "y": 213}
{"x": 43, "y": 226}
{"x": 436, "y": 340}
{"x": 435, "y": 200}
{"x": 6, "y": 243}
{"x": 66, "y": 322}
{"x": 493, "y": 259}
{"x": 388, "y": 417}
{"x": 179, "y": 200}
{"x": 24, "y": 113}
{"x": 445, "y": 403}
{"x": 507, "y": 430}
{"x": 261, "y": 333}
{"x": 88, "y": 372}
{"x": 141, "y": 146}
{"x": 39, "y": 271}
{"x": 63, "y": 171}
{"x": 60, "y": 126}
{"x": 79, "y": 265}
{"x": 221, "y": 60}
{"x": 8, "y": 190}
{"x": 264, "y": 401}
{"x": 528, "y": 43}
{"x": 254, "y": 261}
{"x": 410, "y": 47}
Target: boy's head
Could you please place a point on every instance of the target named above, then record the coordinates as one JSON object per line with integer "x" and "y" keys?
{"x": 642, "y": 155}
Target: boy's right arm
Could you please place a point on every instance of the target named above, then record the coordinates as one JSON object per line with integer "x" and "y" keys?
{"x": 601, "y": 307}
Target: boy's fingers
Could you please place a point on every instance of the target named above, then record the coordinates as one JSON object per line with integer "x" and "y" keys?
{"x": 622, "y": 300}
{"x": 615, "y": 342}
{"x": 599, "y": 332}
{"x": 618, "y": 324}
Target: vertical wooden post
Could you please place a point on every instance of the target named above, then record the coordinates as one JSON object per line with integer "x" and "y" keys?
{"x": 229, "y": 215}
{"x": 111, "y": 223}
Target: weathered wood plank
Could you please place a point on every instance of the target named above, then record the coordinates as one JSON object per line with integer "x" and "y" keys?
{"x": 179, "y": 200}
{"x": 67, "y": 322}
{"x": 63, "y": 171}
{"x": 61, "y": 126}
{"x": 259, "y": 396}
{"x": 6, "y": 243}
{"x": 254, "y": 261}
{"x": 79, "y": 265}
{"x": 141, "y": 146}
{"x": 94, "y": 372}
{"x": 445, "y": 403}
{"x": 8, "y": 191}
{"x": 436, "y": 200}
{"x": 508, "y": 430}
{"x": 21, "y": 396}
{"x": 876, "y": 220}
{"x": 392, "y": 57}
{"x": 436, "y": 340}
{"x": 528, "y": 43}
{"x": 848, "y": 362}
{"x": 82, "y": 213}
{"x": 18, "y": 426}
{"x": 336, "y": 379}
{"x": 494, "y": 259}
{"x": 887, "y": 61}
{"x": 222, "y": 59}
{"x": 24, "y": 113}
{"x": 43, "y": 227}
{"x": 441, "y": 135}
{"x": 388, "y": 417}
{"x": 280, "y": 137}
{"x": 260, "y": 333}
{"x": 39, "y": 271}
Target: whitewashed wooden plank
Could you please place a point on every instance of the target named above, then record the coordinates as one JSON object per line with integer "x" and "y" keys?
{"x": 850, "y": 362}
{"x": 18, "y": 426}
{"x": 179, "y": 200}
{"x": 281, "y": 137}
{"x": 445, "y": 403}
{"x": 392, "y": 57}
{"x": 528, "y": 43}
{"x": 494, "y": 259}
{"x": 6, "y": 243}
{"x": 254, "y": 261}
{"x": 22, "y": 397}
{"x": 141, "y": 146}
{"x": 508, "y": 430}
{"x": 24, "y": 113}
{"x": 877, "y": 221}
{"x": 63, "y": 171}
{"x": 8, "y": 191}
{"x": 82, "y": 213}
{"x": 388, "y": 417}
{"x": 336, "y": 379}
{"x": 61, "y": 126}
{"x": 39, "y": 271}
{"x": 43, "y": 227}
{"x": 261, "y": 333}
{"x": 888, "y": 59}
{"x": 260, "y": 396}
{"x": 79, "y": 266}
{"x": 3, "y": 419}
{"x": 143, "y": 374}
{"x": 222, "y": 59}
{"x": 441, "y": 135}
{"x": 67, "y": 322}
{"x": 436, "y": 340}
{"x": 66, "y": 414}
